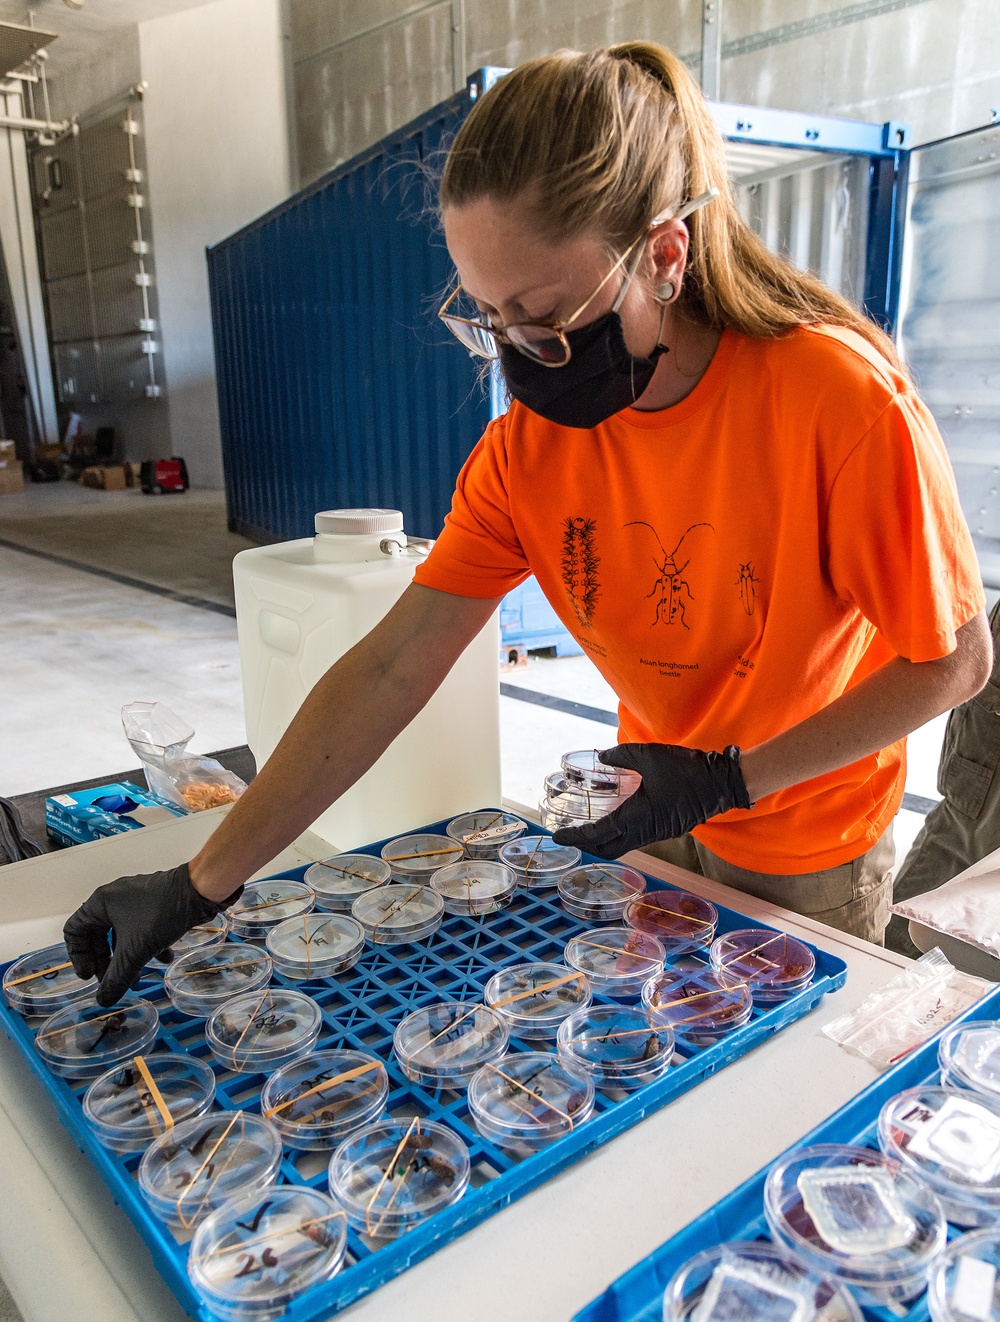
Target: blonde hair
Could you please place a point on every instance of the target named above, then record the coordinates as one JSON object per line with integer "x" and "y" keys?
{"x": 602, "y": 143}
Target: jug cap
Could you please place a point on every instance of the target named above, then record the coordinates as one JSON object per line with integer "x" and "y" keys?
{"x": 359, "y": 522}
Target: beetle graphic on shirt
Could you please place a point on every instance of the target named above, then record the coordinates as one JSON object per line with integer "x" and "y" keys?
{"x": 670, "y": 588}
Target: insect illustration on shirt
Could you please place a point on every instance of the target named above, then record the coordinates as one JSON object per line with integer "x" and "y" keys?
{"x": 745, "y": 582}
{"x": 671, "y": 585}
{"x": 579, "y": 565}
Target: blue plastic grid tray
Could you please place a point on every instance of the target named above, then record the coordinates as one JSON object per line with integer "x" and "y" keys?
{"x": 637, "y": 1295}
{"x": 361, "y": 1010}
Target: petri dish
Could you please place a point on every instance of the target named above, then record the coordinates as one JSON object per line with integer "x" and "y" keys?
{"x": 969, "y": 1057}
{"x": 258, "y": 1252}
{"x": 584, "y": 767}
{"x": 773, "y": 964}
{"x": 316, "y": 945}
{"x": 616, "y": 1045}
{"x": 534, "y": 999}
{"x": 338, "y": 881}
{"x": 199, "y": 1164}
{"x": 395, "y": 914}
{"x": 197, "y": 984}
{"x": 82, "y": 1041}
{"x": 201, "y": 937}
{"x": 700, "y": 1005}
{"x": 618, "y": 961}
{"x": 393, "y": 1175}
{"x": 950, "y": 1140}
{"x": 963, "y": 1285}
{"x": 482, "y": 833}
{"x": 265, "y": 904}
{"x": 317, "y": 1100}
{"x": 572, "y": 799}
{"x": 125, "y": 1112}
{"x": 475, "y": 886}
{"x": 442, "y": 1046}
{"x": 551, "y": 820}
{"x": 754, "y": 1281}
{"x": 858, "y": 1216}
{"x": 530, "y": 1099}
{"x": 600, "y": 892}
{"x": 414, "y": 858}
{"x": 257, "y": 1032}
{"x": 43, "y": 982}
{"x": 681, "y": 921}
{"x": 538, "y": 861}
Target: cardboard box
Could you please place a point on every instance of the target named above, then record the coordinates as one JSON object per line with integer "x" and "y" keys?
{"x": 8, "y": 452}
{"x": 11, "y": 477}
{"x": 83, "y": 815}
{"x": 110, "y": 478}
{"x": 133, "y": 474}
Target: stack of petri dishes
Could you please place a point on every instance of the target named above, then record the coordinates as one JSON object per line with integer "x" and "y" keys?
{"x": 618, "y": 961}
{"x": 415, "y": 858}
{"x": 257, "y": 1253}
{"x": 530, "y": 1099}
{"x": 538, "y": 861}
{"x": 443, "y": 1045}
{"x": 83, "y": 1041}
{"x": 534, "y": 999}
{"x": 396, "y": 915}
{"x": 197, "y": 984}
{"x": 258, "y": 1032}
{"x": 773, "y": 964}
{"x": 394, "y": 1175}
{"x": 969, "y": 1057}
{"x": 755, "y": 1280}
{"x": 616, "y": 1045}
{"x": 318, "y": 1100}
{"x": 44, "y": 981}
{"x": 203, "y": 937}
{"x": 583, "y": 790}
{"x": 700, "y": 1005}
{"x": 963, "y": 1281}
{"x": 317, "y": 945}
{"x": 338, "y": 881}
{"x": 482, "y": 833}
{"x": 858, "y": 1217}
{"x": 199, "y": 1164}
{"x": 475, "y": 886}
{"x": 125, "y": 1113}
{"x": 682, "y": 922}
{"x": 265, "y": 904}
{"x": 600, "y": 892}
{"x": 950, "y": 1140}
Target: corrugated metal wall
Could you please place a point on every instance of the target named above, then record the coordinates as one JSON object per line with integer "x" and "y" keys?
{"x": 337, "y": 384}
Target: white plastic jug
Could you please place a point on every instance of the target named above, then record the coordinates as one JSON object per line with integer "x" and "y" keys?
{"x": 299, "y": 607}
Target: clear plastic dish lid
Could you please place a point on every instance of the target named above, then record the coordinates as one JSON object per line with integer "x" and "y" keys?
{"x": 963, "y": 1285}
{"x": 969, "y": 1057}
{"x": 534, "y": 999}
{"x": 698, "y": 1004}
{"x": 951, "y": 1138}
{"x": 600, "y": 891}
{"x": 571, "y": 798}
{"x": 264, "y": 904}
{"x": 532, "y": 1097}
{"x": 399, "y": 912}
{"x": 421, "y": 854}
{"x": 198, "y": 1164}
{"x": 206, "y": 978}
{"x": 83, "y": 1041}
{"x": 261, "y": 1029}
{"x": 475, "y": 886}
{"x": 754, "y": 1282}
{"x": 538, "y": 860}
{"x": 584, "y": 767}
{"x": 338, "y": 881}
{"x": 205, "y": 935}
{"x": 43, "y": 981}
{"x": 682, "y": 921}
{"x": 316, "y": 944}
{"x": 615, "y": 959}
{"x": 773, "y": 964}
{"x": 616, "y": 1045}
{"x": 482, "y": 833}
{"x": 391, "y": 1176}
{"x": 317, "y": 1100}
{"x": 140, "y": 1099}
{"x": 252, "y": 1257}
{"x": 443, "y": 1045}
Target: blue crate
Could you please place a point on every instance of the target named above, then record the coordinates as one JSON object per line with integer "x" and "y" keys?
{"x": 361, "y": 1010}
{"x": 637, "y": 1295}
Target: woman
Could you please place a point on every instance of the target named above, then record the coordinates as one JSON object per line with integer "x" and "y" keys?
{"x": 725, "y": 484}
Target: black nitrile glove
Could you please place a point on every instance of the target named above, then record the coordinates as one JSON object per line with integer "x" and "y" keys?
{"x": 143, "y": 915}
{"x": 681, "y": 788}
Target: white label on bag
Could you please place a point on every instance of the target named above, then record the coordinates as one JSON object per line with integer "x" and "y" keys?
{"x": 972, "y": 1289}
{"x": 64, "y": 801}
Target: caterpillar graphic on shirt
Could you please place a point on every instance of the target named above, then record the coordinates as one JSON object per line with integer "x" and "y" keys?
{"x": 580, "y": 563}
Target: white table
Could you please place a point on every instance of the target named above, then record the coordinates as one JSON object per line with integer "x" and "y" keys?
{"x": 67, "y": 1251}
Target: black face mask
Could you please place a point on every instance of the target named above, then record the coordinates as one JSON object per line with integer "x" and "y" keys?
{"x": 600, "y": 379}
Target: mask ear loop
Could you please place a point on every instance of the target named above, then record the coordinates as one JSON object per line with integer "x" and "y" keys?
{"x": 688, "y": 209}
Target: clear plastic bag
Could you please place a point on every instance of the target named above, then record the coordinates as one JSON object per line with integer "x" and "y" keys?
{"x": 967, "y": 907}
{"x": 159, "y": 739}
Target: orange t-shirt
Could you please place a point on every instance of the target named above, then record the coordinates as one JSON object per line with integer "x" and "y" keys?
{"x": 736, "y": 562}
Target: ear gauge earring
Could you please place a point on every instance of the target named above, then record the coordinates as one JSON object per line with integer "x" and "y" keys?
{"x": 665, "y": 292}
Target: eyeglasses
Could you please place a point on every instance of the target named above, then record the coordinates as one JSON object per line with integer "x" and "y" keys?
{"x": 545, "y": 342}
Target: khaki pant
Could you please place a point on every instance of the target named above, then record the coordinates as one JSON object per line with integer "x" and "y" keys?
{"x": 853, "y": 897}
